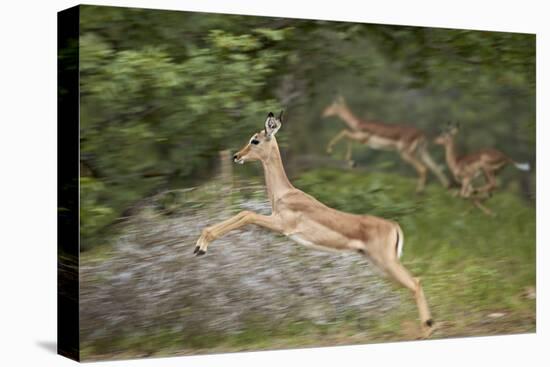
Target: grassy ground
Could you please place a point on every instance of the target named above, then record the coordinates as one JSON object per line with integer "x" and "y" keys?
{"x": 478, "y": 272}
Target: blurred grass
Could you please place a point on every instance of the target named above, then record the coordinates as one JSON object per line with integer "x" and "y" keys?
{"x": 471, "y": 266}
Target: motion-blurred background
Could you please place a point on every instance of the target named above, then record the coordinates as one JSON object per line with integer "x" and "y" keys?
{"x": 166, "y": 96}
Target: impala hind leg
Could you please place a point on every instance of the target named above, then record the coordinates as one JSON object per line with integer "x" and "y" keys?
{"x": 491, "y": 182}
{"x": 401, "y": 275}
{"x": 483, "y": 208}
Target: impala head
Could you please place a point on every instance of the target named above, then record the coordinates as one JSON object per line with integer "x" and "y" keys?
{"x": 333, "y": 109}
{"x": 260, "y": 145}
{"x": 447, "y": 136}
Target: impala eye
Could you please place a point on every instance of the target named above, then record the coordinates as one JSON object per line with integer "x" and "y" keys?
{"x": 255, "y": 142}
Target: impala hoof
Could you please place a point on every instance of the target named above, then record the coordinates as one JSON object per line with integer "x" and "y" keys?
{"x": 196, "y": 249}
{"x": 426, "y": 330}
{"x": 201, "y": 252}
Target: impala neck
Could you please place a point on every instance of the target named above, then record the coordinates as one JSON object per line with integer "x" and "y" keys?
{"x": 275, "y": 177}
{"x": 349, "y": 118}
{"x": 450, "y": 157}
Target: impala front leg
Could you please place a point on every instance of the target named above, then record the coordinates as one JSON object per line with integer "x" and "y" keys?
{"x": 351, "y": 162}
{"x": 335, "y": 140}
{"x": 211, "y": 233}
{"x": 420, "y": 168}
{"x": 351, "y": 135}
{"x": 466, "y": 187}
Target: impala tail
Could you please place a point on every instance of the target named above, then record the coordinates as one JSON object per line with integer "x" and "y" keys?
{"x": 399, "y": 242}
{"x": 522, "y": 166}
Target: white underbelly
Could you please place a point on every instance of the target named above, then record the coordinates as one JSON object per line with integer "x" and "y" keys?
{"x": 302, "y": 241}
{"x": 376, "y": 142}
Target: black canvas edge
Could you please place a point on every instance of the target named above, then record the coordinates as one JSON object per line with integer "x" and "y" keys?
{"x": 68, "y": 152}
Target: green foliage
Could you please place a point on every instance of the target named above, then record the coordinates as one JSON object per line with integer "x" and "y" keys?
{"x": 146, "y": 117}
{"x": 163, "y": 92}
{"x": 375, "y": 194}
{"x": 93, "y": 214}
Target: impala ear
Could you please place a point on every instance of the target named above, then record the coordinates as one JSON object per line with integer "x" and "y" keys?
{"x": 272, "y": 125}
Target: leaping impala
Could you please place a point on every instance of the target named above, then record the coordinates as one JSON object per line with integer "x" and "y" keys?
{"x": 467, "y": 167}
{"x": 410, "y": 142}
{"x": 308, "y": 222}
